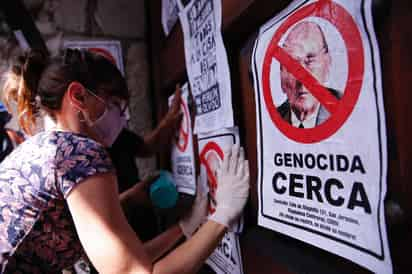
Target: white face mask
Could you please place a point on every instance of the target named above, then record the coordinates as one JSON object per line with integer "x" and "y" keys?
{"x": 109, "y": 125}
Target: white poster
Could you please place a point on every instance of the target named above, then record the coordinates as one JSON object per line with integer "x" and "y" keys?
{"x": 183, "y": 162}
{"x": 212, "y": 148}
{"x": 227, "y": 259}
{"x": 207, "y": 64}
{"x": 322, "y": 156}
{"x": 170, "y": 14}
{"x": 112, "y": 50}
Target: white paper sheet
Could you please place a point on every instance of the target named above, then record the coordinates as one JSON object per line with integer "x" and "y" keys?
{"x": 212, "y": 148}
{"x": 227, "y": 259}
{"x": 110, "y": 49}
{"x": 207, "y": 64}
{"x": 323, "y": 184}
{"x": 183, "y": 162}
{"x": 170, "y": 14}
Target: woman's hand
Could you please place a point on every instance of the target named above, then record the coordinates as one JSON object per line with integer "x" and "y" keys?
{"x": 158, "y": 139}
{"x": 232, "y": 187}
{"x": 171, "y": 122}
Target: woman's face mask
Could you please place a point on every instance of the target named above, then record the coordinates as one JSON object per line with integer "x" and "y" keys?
{"x": 109, "y": 125}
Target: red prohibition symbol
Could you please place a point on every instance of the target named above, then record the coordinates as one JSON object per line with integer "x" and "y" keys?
{"x": 211, "y": 156}
{"x": 339, "y": 109}
{"x": 183, "y": 138}
{"x": 104, "y": 53}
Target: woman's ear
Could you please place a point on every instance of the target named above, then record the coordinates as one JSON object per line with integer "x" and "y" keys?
{"x": 77, "y": 95}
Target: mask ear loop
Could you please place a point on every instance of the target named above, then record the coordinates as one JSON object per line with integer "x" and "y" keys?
{"x": 81, "y": 117}
{"x": 79, "y": 114}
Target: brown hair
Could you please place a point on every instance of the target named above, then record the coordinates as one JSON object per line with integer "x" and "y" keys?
{"x": 37, "y": 82}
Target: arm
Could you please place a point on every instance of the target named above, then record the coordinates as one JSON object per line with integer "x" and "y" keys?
{"x": 158, "y": 246}
{"x": 189, "y": 257}
{"x": 155, "y": 141}
{"x": 187, "y": 225}
{"x": 137, "y": 195}
{"x": 158, "y": 139}
{"x": 132, "y": 200}
{"x": 161, "y": 136}
{"x": 107, "y": 238}
{"x": 113, "y": 247}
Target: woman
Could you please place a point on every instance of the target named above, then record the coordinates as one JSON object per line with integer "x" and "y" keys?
{"x": 58, "y": 190}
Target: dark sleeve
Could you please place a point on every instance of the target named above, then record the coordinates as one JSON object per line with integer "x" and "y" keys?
{"x": 78, "y": 159}
{"x": 127, "y": 140}
{"x": 123, "y": 154}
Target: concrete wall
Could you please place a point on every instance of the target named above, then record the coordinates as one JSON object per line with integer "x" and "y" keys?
{"x": 122, "y": 20}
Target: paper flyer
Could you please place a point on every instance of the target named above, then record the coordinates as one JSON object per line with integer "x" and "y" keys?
{"x": 321, "y": 137}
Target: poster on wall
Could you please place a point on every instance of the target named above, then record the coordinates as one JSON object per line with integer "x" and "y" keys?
{"x": 207, "y": 64}
{"x": 112, "y": 50}
{"x": 322, "y": 156}
{"x": 183, "y": 162}
{"x": 170, "y": 14}
{"x": 212, "y": 148}
{"x": 227, "y": 259}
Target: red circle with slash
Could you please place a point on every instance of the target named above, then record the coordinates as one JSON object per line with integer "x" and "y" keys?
{"x": 183, "y": 138}
{"x": 211, "y": 149}
{"x": 339, "y": 109}
{"x": 105, "y": 53}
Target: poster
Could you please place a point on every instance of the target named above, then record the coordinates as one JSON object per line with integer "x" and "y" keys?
{"x": 207, "y": 65}
{"x": 170, "y": 14}
{"x": 183, "y": 162}
{"x": 110, "y": 49}
{"x": 212, "y": 148}
{"x": 227, "y": 259}
{"x": 322, "y": 156}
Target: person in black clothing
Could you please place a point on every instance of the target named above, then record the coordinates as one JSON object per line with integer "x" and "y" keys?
{"x": 9, "y": 138}
{"x": 123, "y": 153}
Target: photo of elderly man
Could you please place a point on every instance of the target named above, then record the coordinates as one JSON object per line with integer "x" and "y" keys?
{"x": 305, "y": 43}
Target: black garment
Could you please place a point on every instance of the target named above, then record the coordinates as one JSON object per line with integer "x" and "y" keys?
{"x": 123, "y": 154}
{"x": 285, "y": 110}
{"x": 6, "y": 144}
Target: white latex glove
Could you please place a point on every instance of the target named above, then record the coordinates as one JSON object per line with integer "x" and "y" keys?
{"x": 197, "y": 215}
{"x": 232, "y": 187}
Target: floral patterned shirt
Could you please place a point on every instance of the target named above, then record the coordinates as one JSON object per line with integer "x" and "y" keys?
{"x": 37, "y": 233}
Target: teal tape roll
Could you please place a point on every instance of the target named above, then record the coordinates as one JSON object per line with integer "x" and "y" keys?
{"x": 163, "y": 192}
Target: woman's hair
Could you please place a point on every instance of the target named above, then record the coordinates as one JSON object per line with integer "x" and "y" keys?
{"x": 37, "y": 82}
